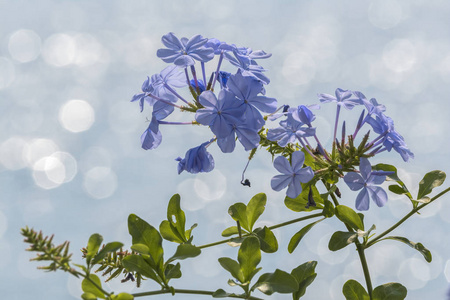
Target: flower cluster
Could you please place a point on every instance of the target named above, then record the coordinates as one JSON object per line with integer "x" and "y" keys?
{"x": 235, "y": 112}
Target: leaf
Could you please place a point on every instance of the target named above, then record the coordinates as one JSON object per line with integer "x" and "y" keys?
{"x": 93, "y": 245}
{"x": 249, "y": 256}
{"x": 341, "y": 239}
{"x": 88, "y": 287}
{"x": 255, "y": 208}
{"x": 328, "y": 209}
{"x": 220, "y": 293}
{"x": 305, "y": 275}
{"x": 296, "y": 238}
{"x": 418, "y": 246}
{"x": 144, "y": 233}
{"x": 277, "y": 282}
{"x": 267, "y": 240}
{"x": 188, "y": 233}
{"x": 176, "y": 216}
{"x": 233, "y": 267}
{"x": 349, "y": 217}
{"x": 389, "y": 291}
{"x": 172, "y": 271}
{"x": 394, "y": 177}
{"x": 184, "y": 251}
{"x": 136, "y": 263}
{"x": 238, "y": 212}
{"x": 168, "y": 234}
{"x": 230, "y": 231}
{"x": 397, "y": 189}
{"x": 122, "y": 296}
{"x": 141, "y": 249}
{"x": 300, "y": 202}
{"x": 353, "y": 290}
{"x": 88, "y": 296}
{"x": 110, "y": 247}
{"x": 429, "y": 182}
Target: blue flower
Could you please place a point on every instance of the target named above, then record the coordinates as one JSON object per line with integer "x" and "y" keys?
{"x": 196, "y": 160}
{"x": 289, "y": 131}
{"x": 152, "y": 137}
{"x": 183, "y": 52}
{"x": 200, "y": 83}
{"x": 366, "y": 181}
{"x": 342, "y": 98}
{"x": 247, "y": 65}
{"x": 146, "y": 88}
{"x": 223, "y": 78}
{"x": 219, "y": 113}
{"x": 291, "y": 174}
{"x": 373, "y": 107}
{"x": 303, "y": 114}
{"x": 248, "y": 137}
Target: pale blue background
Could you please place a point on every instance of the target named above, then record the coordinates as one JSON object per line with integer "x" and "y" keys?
{"x": 100, "y": 52}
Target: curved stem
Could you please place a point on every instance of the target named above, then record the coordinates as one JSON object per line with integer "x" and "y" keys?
{"x": 195, "y": 292}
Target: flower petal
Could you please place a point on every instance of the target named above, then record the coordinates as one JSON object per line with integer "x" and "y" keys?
{"x": 378, "y": 195}
{"x": 282, "y": 165}
{"x": 362, "y": 200}
{"x": 354, "y": 181}
{"x": 279, "y": 182}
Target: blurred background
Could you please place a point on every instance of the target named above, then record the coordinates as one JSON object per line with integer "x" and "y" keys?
{"x": 70, "y": 157}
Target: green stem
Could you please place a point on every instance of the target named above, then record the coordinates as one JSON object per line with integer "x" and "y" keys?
{"x": 362, "y": 258}
{"x": 412, "y": 212}
{"x": 195, "y": 292}
{"x": 271, "y": 227}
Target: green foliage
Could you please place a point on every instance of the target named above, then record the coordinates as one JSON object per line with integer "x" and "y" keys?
{"x": 267, "y": 239}
{"x": 349, "y": 217}
{"x": 247, "y": 215}
{"x": 276, "y": 282}
{"x": 108, "y": 248}
{"x": 93, "y": 245}
{"x": 305, "y": 275}
{"x": 389, "y": 291}
{"x": 341, "y": 239}
{"x": 137, "y": 263}
{"x": 122, "y": 296}
{"x": 353, "y": 290}
{"x": 296, "y": 238}
{"x": 400, "y": 188}
{"x": 91, "y": 285}
{"x": 430, "y": 181}
{"x": 328, "y": 209}
{"x": 184, "y": 251}
{"x": 418, "y": 246}
{"x": 300, "y": 202}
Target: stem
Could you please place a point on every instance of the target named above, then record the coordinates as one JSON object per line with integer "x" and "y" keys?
{"x": 338, "y": 109}
{"x": 271, "y": 227}
{"x": 176, "y": 94}
{"x": 95, "y": 284}
{"x": 195, "y": 292}
{"x": 217, "y": 71}
{"x": 203, "y": 73}
{"x": 362, "y": 258}
{"x": 164, "y": 101}
{"x": 412, "y": 212}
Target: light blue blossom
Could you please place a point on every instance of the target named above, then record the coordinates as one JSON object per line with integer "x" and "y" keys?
{"x": 291, "y": 174}
{"x": 152, "y": 137}
{"x": 366, "y": 181}
{"x": 342, "y": 98}
{"x": 247, "y": 65}
{"x": 289, "y": 131}
{"x": 196, "y": 160}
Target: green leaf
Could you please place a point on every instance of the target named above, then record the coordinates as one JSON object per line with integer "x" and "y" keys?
{"x": 88, "y": 296}
{"x": 418, "y": 246}
{"x": 328, "y": 209}
{"x": 296, "y": 238}
{"x": 136, "y": 263}
{"x": 389, "y": 291}
{"x": 277, "y": 282}
{"x": 249, "y": 256}
{"x": 341, "y": 239}
{"x": 88, "y": 287}
{"x": 349, "y": 217}
{"x": 110, "y": 247}
{"x": 176, "y": 216}
{"x": 429, "y": 182}
{"x": 168, "y": 234}
{"x": 353, "y": 290}
{"x": 397, "y": 189}
{"x": 122, "y": 296}
{"x": 220, "y": 293}
{"x": 305, "y": 275}
{"x": 184, "y": 251}
{"x": 230, "y": 231}
{"x": 255, "y": 208}
{"x": 188, "y": 233}
{"x": 93, "y": 245}
{"x": 141, "y": 249}
{"x": 172, "y": 271}
{"x": 267, "y": 240}
{"x": 238, "y": 212}
{"x": 233, "y": 267}
{"x": 144, "y": 233}
{"x": 394, "y": 177}
{"x": 299, "y": 203}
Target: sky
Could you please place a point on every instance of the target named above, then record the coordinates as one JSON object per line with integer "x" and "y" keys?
{"x": 71, "y": 162}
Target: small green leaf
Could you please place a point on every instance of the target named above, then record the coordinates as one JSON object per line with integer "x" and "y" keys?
{"x": 230, "y": 231}
{"x": 168, "y": 234}
{"x": 122, "y": 296}
{"x": 341, "y": 239}
{"x": 188, "y": 233}
{"x": 418, "y": 246}
{"x": 397, "y": 189}
{"x": 141, "y": 249}
{"x": 88, "y": 287}
{"x": 255, "y": 208}
{"x": 353, "y": 290}
{"x": 429, "y": 182}
{"x": 277, "y": 282}
{"x": 176, "y": 216}
{"x": 144, "y": 233}
{"x": 220, "y": 293}
{"x": 136, "y": 263}
{"x": 300, "y": 202}
{"x": 93, "y": 245}
{"x": 184, "y": 251}
{"x": 296, "y": 238}
{"x": 305, "y": 275}
{"x": 267, "y": 240}
{"x": 389, "y": 291}
{"x": 233, "y": 267}
{"x": 249, "y": 256}
{"x": 88, "y": 296}
{"x": 349, "y": 217}
{"x": 328, "y": 209}
{"x": 172, "y": 271}
{"x": 238, "y": 212}
{"x": 110, "y": 247}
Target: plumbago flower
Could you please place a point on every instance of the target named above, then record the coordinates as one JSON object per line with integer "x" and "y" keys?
{"x": 290, "y": 131}
{"x": 367, "y": 182}
{"x": 291, "y": 174}
{"x": 196, "y": 160}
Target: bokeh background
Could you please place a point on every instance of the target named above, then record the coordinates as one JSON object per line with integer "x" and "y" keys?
{"x": 70, "y": 156}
